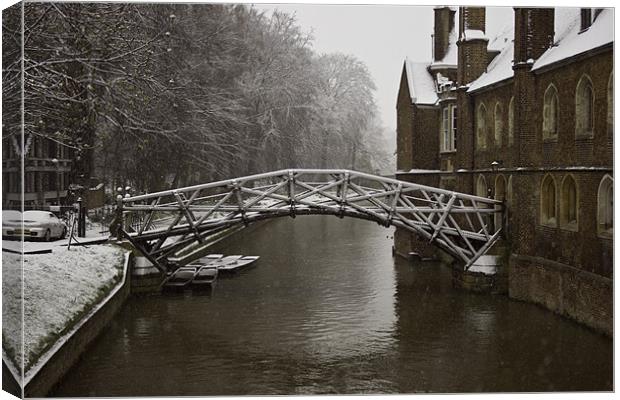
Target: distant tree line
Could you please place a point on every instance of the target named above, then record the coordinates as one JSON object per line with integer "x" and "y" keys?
{"x": 162, "y": 95}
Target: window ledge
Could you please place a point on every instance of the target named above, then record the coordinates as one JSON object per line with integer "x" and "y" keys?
{"x": 609, "y": 234}
{"x": 550, "y": 223}
{"x": 447, "y": 151}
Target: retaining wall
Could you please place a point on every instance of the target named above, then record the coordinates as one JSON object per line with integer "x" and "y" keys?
{"x": 55, "y": 363}
{"x": 581, "y": 295}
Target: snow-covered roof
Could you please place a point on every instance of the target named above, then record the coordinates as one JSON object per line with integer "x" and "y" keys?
{"x": 420, "y": 82}
{"x": 501, "y": 67}
{"x": 569, "y": 41}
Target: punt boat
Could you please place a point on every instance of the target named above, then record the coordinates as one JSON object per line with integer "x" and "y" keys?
{"x": 204, "y": 278}
{"x": 180, "y": 278}
{"x": 224, "y": 261}
{"x": 238, "y": 264}
{"x": 208, "y": 259}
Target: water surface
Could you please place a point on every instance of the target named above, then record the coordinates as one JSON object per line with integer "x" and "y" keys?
{"x": 329, "y": 310}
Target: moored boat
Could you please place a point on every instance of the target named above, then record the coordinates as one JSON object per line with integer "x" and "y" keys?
{"x": 205, "y": 278}
{"x": 208, "y": 259}
{"x": 224, "y": 261}
{"x": 238, "y": 264}
{"x": 180, "y": 278}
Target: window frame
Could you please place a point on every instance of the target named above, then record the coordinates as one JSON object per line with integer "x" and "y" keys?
{"x": 603, "y": 206}
{"x": 584, "y": 132}
{"x": 545, "y": 219}
{"x": 551, "y": 114}
{"x": 498, "y": 216}
{"x": 448, "y": 129}
{"x": 498, "y": 124}
{"x": 565, "y": 222}
{"x": 481, "y": 126}
{"x": 482, "y": 179}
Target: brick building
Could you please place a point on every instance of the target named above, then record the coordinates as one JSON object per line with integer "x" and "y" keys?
{"x": 525, "y": 117}
{"x": 47, "y": 172}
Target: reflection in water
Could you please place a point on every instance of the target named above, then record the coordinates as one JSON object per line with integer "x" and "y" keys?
{"x": 328, "y": 310}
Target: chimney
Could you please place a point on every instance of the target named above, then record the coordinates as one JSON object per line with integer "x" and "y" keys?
{"x": 533, "y": 33}
{"x": 472, "y": 44}
{"x": 444, "y": 23}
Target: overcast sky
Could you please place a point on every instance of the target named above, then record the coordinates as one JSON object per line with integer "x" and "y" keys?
{"x": 381, "y": 36}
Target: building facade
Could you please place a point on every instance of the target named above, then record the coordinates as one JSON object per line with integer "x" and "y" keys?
{"x": 47, "y": 172}
{"x": 525, "y": 117}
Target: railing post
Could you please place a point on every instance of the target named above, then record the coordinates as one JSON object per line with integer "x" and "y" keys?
{"x": 81, "y": 218}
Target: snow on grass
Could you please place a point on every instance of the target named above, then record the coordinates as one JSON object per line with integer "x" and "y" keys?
{"x": 58, "y": 289}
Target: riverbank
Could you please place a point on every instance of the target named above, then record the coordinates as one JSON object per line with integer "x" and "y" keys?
{"x": 59, "y": 288}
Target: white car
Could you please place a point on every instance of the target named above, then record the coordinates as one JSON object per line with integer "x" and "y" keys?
{"x": 37, "y": 225}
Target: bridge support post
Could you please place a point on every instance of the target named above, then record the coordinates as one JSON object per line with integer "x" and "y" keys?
{"x": 488, "y": 274}
{"x": 145, "y": 277}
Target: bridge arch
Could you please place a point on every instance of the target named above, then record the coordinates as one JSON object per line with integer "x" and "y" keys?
{"x": 160, "y": 224}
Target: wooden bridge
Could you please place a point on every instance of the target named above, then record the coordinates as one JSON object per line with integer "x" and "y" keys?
{"x": 159, "y": 224}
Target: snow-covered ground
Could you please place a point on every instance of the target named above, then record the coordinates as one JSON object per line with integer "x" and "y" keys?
{"x": 58, "y": 288}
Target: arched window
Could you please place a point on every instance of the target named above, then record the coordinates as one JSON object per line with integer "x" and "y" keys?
{"x": 547, "y": 201}
{"x": 511, "y": 121}
{"x": 569, "y": 204}
{"x": 499, "y": 124}
{"x": 610, "y": 106}
{"x": 481, "y": 186}
{"x": 481, "y": 127}
{"x": 584, "y": 108}
{"x": 551, "y": 113}
{"x": 500, "y": 194}
{"x": 605, "y": 200}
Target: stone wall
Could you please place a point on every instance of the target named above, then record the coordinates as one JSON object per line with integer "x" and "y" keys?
{"x": 63, "y": 355}
{"x": 580, "y": 295}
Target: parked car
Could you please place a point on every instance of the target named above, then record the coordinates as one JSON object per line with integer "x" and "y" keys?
{"x": 37, "y": 225}
{"x": 11, "y": 219}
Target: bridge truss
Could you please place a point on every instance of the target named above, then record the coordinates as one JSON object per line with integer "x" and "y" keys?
{"x": 159, "y": 224}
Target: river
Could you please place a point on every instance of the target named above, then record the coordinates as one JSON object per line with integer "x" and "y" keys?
{"x": 327, "y": 309}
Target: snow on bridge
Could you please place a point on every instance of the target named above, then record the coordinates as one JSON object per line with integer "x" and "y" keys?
{"x": 458, "y": 223}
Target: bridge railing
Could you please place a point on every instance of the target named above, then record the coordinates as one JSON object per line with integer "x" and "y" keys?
{"x": 459, "y": 223}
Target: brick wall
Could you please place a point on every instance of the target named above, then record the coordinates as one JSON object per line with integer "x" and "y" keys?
{"x": 425, "y": 137}
{"x": 533, "y": 32}
{"x": 502, "y": 152}
{"x": 580, "y": 295}
{"x": 567, "y": 149}
{"x": 565, "y": 269}
{"x": 444, "y": 21}
{"x": 404, "y": 125}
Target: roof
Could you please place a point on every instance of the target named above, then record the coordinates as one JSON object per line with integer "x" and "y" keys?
{"x": 420, "y": 82}
{"x": 501, "y": 67}
{"x": 569, "y": 41}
